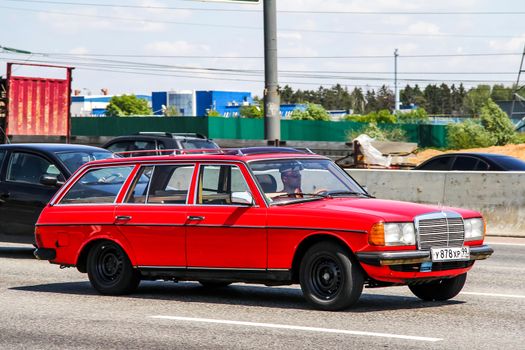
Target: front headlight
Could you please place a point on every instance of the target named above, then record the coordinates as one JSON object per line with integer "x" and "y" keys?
{"x": 474, "y": 229}
{"x": 392, "y": 234}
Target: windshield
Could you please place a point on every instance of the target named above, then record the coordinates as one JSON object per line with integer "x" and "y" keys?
{"x": 287, "y": 180}
{"x": 73, "y": 160}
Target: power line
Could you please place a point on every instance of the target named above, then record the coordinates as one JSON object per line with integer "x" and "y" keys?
{"x": 304, "y": 30}
{"x": 486, "y": 54}
{"x": 164, "y": 70}
{"x": 258, "y": 11}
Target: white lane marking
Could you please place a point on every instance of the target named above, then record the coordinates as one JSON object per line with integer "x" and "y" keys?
{"x": 509, "y": 244}
{"x": 297, "y": 328}
{"x": 495, "y": 295}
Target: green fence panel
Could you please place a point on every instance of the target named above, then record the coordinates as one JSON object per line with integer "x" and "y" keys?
{"x": 236, "y": 128}
{"x": 252, "y": 129}
{"x": 315, "y": 130}
{"x": 114, "y": 126}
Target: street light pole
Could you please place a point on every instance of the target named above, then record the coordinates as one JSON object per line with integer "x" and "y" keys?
{"x": 396, "y": 89}
{"x": 272, "y": 118}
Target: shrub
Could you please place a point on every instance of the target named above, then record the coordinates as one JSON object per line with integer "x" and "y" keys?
{"x": 380, "y": 134}
{"x": 416, "y": 116}
{"x": 383, "y": 116}
{"x": 312, "y": 112}
{"x": 213, "y": 113}
{"x": 251, "y": 111}
{"x": 497, "y": 123}
{"x": 468, "y": 134}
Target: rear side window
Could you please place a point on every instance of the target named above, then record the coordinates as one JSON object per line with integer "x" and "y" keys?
{"x": 130, "y": 146}
{"x": 465, "y": 163}
{"x": 442, "y": 163}
{"x": 161, "y": 184}
{"x": 97, "y": 186}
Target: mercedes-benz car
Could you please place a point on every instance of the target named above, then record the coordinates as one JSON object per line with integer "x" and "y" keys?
{"x": 275, "y": 216}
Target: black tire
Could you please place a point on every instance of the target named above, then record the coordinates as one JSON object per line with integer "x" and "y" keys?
{"x": 328, "y": 277}
{"x": 214, "y": 284}
{"x": 110, "y": 271}
{"x": 439, "y": 290}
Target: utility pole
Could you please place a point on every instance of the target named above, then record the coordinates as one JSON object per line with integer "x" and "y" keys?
{"x": 272, "y": 118}
{"x": 396, "y": 89}
{"x": 516, "y": 91}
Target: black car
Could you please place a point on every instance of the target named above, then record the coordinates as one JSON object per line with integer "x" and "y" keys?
{"x": 30, "y": 174}
{"x": 472, "y": 162}
{"x": 157, "y": 141}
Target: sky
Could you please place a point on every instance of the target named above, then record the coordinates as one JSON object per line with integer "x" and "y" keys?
{"x": 140, "y": 46}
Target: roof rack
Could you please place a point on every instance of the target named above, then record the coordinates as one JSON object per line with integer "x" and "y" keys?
{"x": 226, "y": 151}
{"x": 172, "y": 134}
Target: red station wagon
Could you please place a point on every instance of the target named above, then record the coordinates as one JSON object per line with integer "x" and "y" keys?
{"x": 275, "y": 216}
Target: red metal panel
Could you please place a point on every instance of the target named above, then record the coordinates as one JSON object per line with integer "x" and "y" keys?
{"x": 38, "y": 106}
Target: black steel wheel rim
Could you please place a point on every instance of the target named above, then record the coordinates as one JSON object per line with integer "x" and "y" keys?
{"x": 326, "y": 277}
{"x": 109, "y": 264}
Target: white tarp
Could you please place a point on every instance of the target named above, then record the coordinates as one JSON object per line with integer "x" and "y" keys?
{"x": 372, "y": 155}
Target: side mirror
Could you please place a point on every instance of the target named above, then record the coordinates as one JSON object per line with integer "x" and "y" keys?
{"x": 50, "y": 180}
{"x": 242, "y": 198}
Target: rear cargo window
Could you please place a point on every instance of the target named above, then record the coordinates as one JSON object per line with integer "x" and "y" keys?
{"x": 97, "y": 186}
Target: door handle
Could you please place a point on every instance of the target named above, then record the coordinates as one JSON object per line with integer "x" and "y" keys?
{"x": 196, "y": 218}
{"x": 122, "y": 217}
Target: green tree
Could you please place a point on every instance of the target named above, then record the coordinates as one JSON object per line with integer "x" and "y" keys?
{"x": 468, "y": 134}
{"x": 251, "y": 111}
{"x": 501, "y": 93}
{"x": 213, "y": 113}
{"x": 419, "y": 115}
{"x": 385, "y": 98}
{"x": 126, "y": 105}
{"x": 287, "y": 94}
{"x": 172, "y": 111}
{"x": 357, "y": 101}
{"x": 312, "y": 112}
{"x": 475, "y": 99}
{"x": 497, "y": 123}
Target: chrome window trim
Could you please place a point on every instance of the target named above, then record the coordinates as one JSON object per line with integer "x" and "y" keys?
{"x": 196, "y": 192}
{"x": 62, "y": 195}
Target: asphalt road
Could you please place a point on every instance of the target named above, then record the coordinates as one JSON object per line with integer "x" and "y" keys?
{"x": 43, "y": 307}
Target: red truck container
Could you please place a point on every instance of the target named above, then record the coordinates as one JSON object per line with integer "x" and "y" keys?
{"x": 36, "y": 106}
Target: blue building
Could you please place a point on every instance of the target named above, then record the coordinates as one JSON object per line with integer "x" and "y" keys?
{"x": 198, "y": 103}
{"x": 94, "y": 105}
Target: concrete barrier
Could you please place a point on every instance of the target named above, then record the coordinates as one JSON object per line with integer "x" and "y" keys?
{"x": 499, "y": 196}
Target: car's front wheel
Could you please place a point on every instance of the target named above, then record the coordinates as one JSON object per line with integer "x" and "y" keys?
{"x": 439, "y": 290}
{"x": 110, "y": 271}
{"x": 328, "y": 277}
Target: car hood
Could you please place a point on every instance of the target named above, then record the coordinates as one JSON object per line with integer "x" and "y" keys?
{"x": 380, "y": 209}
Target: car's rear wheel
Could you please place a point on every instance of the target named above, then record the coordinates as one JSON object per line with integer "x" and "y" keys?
{"x": 328, "y": 277}
{"x": 439, "y": 290}
{"x": 110, "y": 271}
{"x": 214, "y": 284}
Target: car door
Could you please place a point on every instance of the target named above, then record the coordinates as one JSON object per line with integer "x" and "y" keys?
{"x": 219, "y": 233}
{"x": 153, "y": 214}
{"x": 22, "y": 196}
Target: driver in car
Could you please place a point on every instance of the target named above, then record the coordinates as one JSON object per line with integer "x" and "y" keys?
{"x": 291, "y": 178}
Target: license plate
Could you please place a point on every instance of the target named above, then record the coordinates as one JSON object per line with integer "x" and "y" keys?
{"x": 450, "y": 254}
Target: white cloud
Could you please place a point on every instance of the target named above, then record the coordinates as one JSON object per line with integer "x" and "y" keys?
{"x": 290, "y": 36}
{"x": 180, "y": 47}
{"x": 514, "y": 44}
{"x": 79, "y": 51}
{"x": 423, "y": 28}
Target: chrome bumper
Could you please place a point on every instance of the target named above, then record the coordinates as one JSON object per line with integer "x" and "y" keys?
{"x": 414, "y": 256}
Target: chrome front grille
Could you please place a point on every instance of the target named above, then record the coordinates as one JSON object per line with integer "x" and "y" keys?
{"x": 442, "y": 229}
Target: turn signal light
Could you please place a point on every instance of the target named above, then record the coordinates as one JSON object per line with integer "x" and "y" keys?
{"x": 377, "y": 234}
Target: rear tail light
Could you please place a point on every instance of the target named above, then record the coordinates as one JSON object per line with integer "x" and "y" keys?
{"x": 38, "y": 237}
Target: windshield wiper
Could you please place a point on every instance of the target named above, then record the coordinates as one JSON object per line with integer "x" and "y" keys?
{"x": 301, "y": 195}
{"x": 353, "y": 193}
